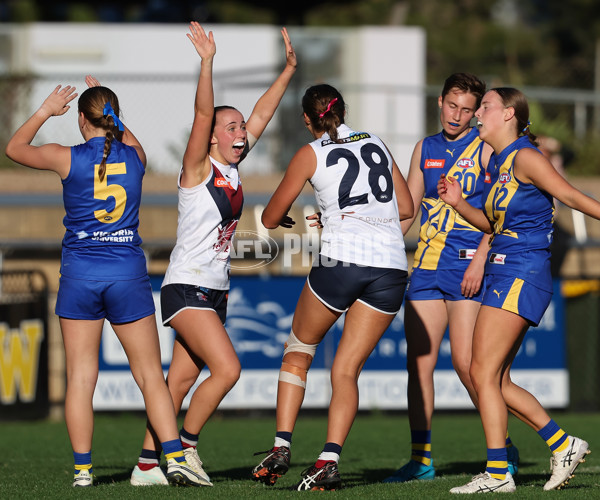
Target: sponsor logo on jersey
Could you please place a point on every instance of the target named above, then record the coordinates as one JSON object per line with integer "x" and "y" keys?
{"x": 465, "y": 163}
{"x": 497, "y": 258}
{"x": 120, "y": 236}
{"x": 488, "y": 178}
{"x": 466, "y": 253}
{"x": 220, "y": 182}
{"x": 504, "y": 177}
{"x": 358, "y": 136}
{"x": 450, "y": 152}
{"x": 434, "y": 163}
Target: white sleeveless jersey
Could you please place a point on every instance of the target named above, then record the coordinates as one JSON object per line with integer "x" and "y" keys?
{"x": 207, "y": 218}
{"x": 355, "y": 192}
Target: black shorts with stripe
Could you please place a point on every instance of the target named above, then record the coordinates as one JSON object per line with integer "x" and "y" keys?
{"x": 178, "y": 296}
{"x": 339, "y": 284}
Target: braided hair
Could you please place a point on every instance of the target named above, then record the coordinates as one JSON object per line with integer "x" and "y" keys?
{"x": 100, "y": 106}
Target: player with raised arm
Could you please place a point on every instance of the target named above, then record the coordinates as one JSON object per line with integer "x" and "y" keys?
{"x": 196, "y": 284}
{"x": 103, "y": 269}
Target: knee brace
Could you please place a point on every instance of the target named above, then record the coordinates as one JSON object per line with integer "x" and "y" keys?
{"x": 292, "y": 344}
{"x": 290, "y": 373}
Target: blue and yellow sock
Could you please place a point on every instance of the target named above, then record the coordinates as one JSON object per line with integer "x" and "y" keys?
{"x": 421, "y": 446}
{"x": 83, "y": 461}
{"x": 497, "y": 463}
{"x": 555, "y": 437}
{"x": 173, "y": 449}
{"x": 188, "y": 440}
{"x": 509, "y": 443}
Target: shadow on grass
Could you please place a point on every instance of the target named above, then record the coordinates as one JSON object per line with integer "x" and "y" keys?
{"x": 116, "y": 473}
{"x": 541, "y": 479}
{"x": 469, "y": 469}
{"x": 377, "y": 475}
{"x": 472, "y": 468}
{"x": 350, "y": 480}
{"x": 104, "y": 477}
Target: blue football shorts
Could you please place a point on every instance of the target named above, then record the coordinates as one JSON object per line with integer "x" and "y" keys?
{"x": 517, "y": 296}
{"x": 339, "y": 284}
{"x": 118, "y": 301}
{"x": 426, "y": 284}
{"x": 178, "y": 296}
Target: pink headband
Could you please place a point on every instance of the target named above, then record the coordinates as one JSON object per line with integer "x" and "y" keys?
{"x": 331, "y": 103}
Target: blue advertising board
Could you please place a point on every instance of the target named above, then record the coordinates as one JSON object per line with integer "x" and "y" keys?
{"x": 259, "y": 319}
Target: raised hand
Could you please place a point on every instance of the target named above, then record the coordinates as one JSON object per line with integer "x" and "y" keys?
{"x": 57, "y": 103}
{"x": 91, "y": 81}
{"x": 205, "y": 45}
{"x": 290, "y": 54}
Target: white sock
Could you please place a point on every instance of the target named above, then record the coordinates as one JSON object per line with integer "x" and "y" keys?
{"x": 281, "y": 442}
{"x": 329, "y": 456}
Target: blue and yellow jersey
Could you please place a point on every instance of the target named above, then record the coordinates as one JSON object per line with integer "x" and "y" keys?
{"x": 101, "y": 240}
{"x": 446, "y": 240}
{"x": 522, "y": 215}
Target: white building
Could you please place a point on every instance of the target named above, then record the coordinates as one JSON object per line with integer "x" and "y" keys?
{"x": 154, "y": 68}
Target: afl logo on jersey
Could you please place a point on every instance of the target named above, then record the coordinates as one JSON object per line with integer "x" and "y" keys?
{"x": 504, "y": 178}
{"x": 465, "y": 163}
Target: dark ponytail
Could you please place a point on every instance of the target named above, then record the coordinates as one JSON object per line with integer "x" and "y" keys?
{"x": 324, "y": 106}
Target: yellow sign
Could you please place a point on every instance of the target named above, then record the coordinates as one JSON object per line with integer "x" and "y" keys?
{"x": 19, "y": 360}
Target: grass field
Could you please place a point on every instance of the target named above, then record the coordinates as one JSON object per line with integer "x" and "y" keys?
{"x": 36, "y": 459}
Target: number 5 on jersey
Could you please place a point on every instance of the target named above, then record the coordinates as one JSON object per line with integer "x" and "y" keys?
{"x": 103, "y": 191}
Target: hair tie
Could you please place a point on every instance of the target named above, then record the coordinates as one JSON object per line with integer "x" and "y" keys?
{"x": 526, "y": 126}
{"x": 108, "y": 111}
{"x": 331, "y": 103}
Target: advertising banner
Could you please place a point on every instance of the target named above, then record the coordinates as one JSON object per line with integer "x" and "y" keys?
{"x": 23, "y": 345}
{"x": 259, "y": 319}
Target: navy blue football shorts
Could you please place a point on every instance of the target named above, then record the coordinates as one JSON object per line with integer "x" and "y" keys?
{"x": 177, "y": 296}
{"x": 117, "y": 301}
{"x": 517, "y": 296}
{"x": 339, "y": 284}
{"x": 426, "y": 284}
